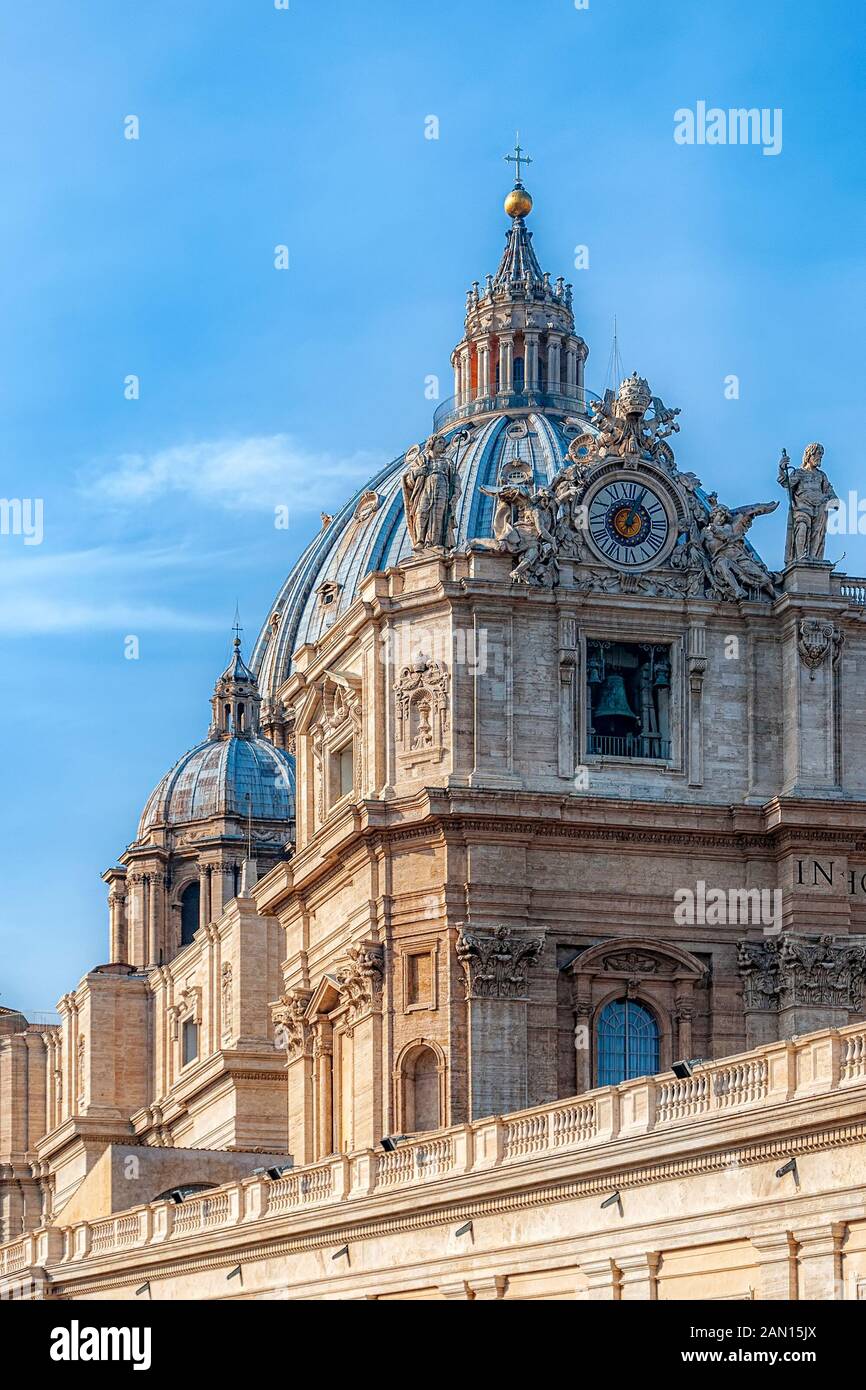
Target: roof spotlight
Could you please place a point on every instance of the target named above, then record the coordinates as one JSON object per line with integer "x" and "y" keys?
{"x": 686, "y": 1066}
{"x": 342, "y": 1253}
{"x": 612, "y": 1201}
{"x": 464, "y": 1230}
{"x": 389, "y": 1142}
{"x": 177, "y": 1197}
{"x": 789, "y": 1167}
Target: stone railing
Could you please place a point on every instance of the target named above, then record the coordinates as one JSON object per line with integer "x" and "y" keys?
{"x": 297, "y": 1189}
{"x": 718, "y": 1086}
{"x": 846, "y": 586}
{"x": 808, "y": 1067}
{"x": 415, "y": 1162}
{"x": 17, "y": 1255}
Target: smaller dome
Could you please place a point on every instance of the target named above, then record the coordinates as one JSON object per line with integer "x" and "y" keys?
{"x": 518, "y": 203}
{"x": 235, "y": 771}
{"x": 215, "y": 778}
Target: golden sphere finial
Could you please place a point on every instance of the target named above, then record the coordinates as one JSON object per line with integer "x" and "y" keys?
{"x": 518, "y": 203}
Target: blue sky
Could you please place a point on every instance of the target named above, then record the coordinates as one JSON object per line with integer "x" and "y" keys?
{"x": 260, "y": 387}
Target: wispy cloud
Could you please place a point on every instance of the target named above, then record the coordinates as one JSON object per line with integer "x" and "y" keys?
{"x": 103, "y": 589}
{"x": 257, "y": 473}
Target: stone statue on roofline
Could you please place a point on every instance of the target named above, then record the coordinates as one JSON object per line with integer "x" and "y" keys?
{"x": 810, "y": 497}
{"x": 524, "y": 526}
{"x": 734, "y": 566}
{"x": 431, "y": 486}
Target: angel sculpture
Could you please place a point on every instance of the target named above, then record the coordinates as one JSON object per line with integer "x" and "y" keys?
{"x": 524, "y": 522}
{"x": 691, "y": 554}
{"x": 734, "y": 567}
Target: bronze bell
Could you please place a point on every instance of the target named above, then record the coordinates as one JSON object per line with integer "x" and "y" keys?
{"x": 614, "y": 707}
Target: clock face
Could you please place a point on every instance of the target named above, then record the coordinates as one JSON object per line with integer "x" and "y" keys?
{"x": 628, "y": 523}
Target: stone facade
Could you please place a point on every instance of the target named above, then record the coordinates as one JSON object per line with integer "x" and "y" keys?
{"x": 629, "y": 1192}
{"x": 533, "y": 750}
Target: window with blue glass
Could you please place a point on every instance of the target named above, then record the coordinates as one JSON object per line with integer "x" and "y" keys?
{"x": 627, "y": 1042}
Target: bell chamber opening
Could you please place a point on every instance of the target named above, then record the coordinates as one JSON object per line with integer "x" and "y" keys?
{"x": 628, "y": 699}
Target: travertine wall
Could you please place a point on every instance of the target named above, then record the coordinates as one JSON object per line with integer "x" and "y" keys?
{"x": 484, "y": 811}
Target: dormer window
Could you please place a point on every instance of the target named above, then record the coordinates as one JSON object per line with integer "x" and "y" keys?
{"x": 328, "y": 593}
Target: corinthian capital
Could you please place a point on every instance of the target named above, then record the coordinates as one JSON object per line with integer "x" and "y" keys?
{"x": 495, "y": 963}
{"x": 361, "y": 979}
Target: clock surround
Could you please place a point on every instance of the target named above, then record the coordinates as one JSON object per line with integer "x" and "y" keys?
{"x": 631, "y": 520}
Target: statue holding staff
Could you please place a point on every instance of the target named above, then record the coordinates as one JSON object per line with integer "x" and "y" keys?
{"x": 810, "y": 497}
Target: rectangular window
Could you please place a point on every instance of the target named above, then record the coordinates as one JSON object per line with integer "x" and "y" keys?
{"x": 419, "y": 980}
{"x": 189, "y": 1042}
{"x": 628, "y": 686}
{"x": 345, "y": 768}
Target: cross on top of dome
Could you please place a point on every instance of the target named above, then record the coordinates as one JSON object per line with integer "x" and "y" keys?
{"x": 518, "y": 204}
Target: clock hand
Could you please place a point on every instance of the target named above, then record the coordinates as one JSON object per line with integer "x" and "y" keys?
{"x": 634, "y": 502}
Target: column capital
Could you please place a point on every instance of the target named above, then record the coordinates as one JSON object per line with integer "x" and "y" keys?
{"x": 603, "y": 1278}
{"x": 489, "y": 1287}
{"x": 639, "y": 1274}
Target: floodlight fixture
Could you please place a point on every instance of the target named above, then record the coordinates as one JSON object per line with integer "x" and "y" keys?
{"x": 389, "y": 1142}
{"x": 686, "y": 1066}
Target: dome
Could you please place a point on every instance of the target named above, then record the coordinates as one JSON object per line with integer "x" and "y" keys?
{"x": 235, "y": 771}
{"x": 519, "y": 397}
{"x": 370, "y": 532}
{"x": 214, "y": 779}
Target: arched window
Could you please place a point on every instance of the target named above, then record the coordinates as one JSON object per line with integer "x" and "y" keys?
{"x": 420, "y": 1082}
{"x": 189, "y": 913}
{"x": 627, "y": 1038}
